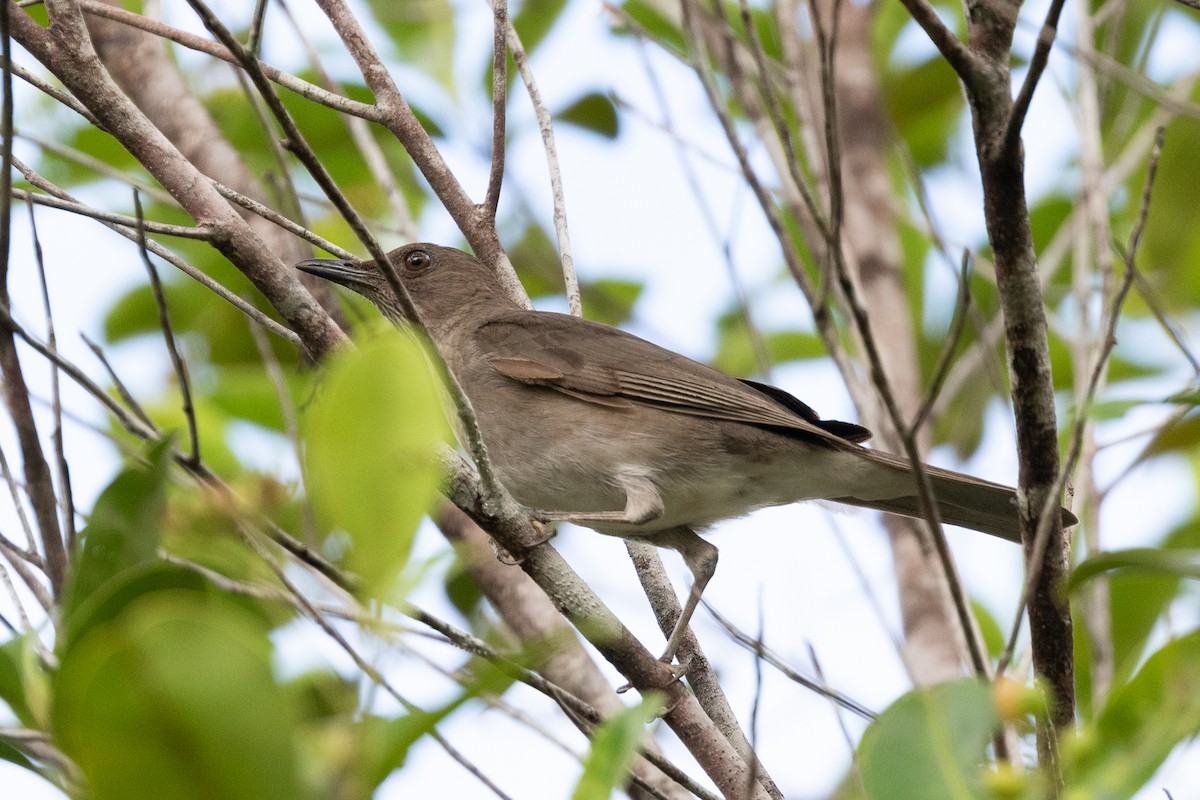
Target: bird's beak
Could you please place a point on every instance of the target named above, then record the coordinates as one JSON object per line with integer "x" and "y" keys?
{"x": 338, "y": 270}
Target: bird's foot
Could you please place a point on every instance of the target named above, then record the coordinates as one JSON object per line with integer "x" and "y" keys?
{"x": 581, "y": 517}
{"x": 506, "y": 556}
{"x": 678, "y": 672}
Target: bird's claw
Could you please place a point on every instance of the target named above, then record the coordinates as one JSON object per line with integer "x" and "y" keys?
{"x": 678, "y": 672}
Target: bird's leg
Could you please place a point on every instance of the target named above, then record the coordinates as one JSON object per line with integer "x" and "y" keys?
{"x": 643, "y": 503}
{"x": 701, "y": 558}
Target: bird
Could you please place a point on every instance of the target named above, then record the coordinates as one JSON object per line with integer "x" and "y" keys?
{"x": 586, "y": 422}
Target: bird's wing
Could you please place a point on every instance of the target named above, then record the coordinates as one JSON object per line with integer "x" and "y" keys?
{"x": 600, "y": 364}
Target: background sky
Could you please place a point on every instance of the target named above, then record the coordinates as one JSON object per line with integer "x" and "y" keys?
{"x": 633, "y": 214}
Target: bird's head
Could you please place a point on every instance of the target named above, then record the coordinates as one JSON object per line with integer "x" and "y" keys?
{"x": 442, "y": 281}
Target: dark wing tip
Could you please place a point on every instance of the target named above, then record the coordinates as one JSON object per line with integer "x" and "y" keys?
{"x": 843, "y": 430}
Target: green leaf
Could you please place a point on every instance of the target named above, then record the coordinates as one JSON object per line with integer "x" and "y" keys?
{"x": 535, "y": 19}
{"x": 245, "y": 392}
{"x": 1177, "y": 563}
{"x": 1187, "y": 397}
{"x": 115, "y": 595}
{"x": 657, "y": 20}
{"x": 371, "y": 436}
{"x": 462, "y": 590}
{"x": 594, "y": 112}
{"x": 610, "y": 300}
{"x": 737, "y": 350}
{"x": 614, "y": 746}
{"x": 15, "y": 756}
{"x": 122, "y": 533}
{"x": 930, "y": 744}
{"x": 383, "y": 745}
{"x": 12, "y": 679}
{"x": 925, "y": 103}
{"x": 1138, "y": 600}
{"x": 1181, "y": 435}
{"x": 423, "y": 33}
{"x": 532, "y": 22}
{"x": 174, "y": 699}
{"x": 993, "y": 637}
{"x": 1139, "y": 727}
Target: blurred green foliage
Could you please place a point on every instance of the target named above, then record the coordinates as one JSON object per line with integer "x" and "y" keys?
{"x": 162, "y": 682}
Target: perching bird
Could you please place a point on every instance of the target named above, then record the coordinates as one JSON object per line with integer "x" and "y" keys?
{"x": 586, "y": 422}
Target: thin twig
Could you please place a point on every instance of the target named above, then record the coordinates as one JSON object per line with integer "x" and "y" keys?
{"x": 11, "y": 589}
{"x": 957, "y": 54}
{"x": 146, "y": 187}
{"x": 782, "y": 130}
{"x": 1037, "y": 65}
{"x": 183, "y": 266}
{"x": 283, "y": 182}
{"x": 934, "y": 536}
{"x": 869, "y": 590}
{"x": 364, "y": 140}
{"x": 579, "y": 710}
{"x": 271, "y": 215}
{"x": 496, "y": 494}
{"x": 841, "y": 720}
{"x": 291, "y": 422}
{"x": 255, "y": 38}
{"x": 135, "y": 426}
{"x": 760, "y": 649}
{"x": 1175, "y": 332}
{"x": 200, "y": 44}
{"x": 1048, "y": 512}
{"x": 546, "y": 128}
{"x": 699, "y": 63}
{"x": 499, "y": 106}
{"x": 121, "y": 388}
{"x": 30, "y": 553}
{"x": 957, "y": 325}
{"x": 52, "y": 91}
{"x": 762, "y": 356}
{"x": 758, "y": 691}
{"x": 67, "y": 497}
{"x": 149, "y": 226}
{"x": 164, "y": 321}
{"x": 39, "y": 486}
{"x": 313, "y": 613}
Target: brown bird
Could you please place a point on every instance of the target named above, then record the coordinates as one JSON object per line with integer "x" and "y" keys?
{"x": 586, "y": 422}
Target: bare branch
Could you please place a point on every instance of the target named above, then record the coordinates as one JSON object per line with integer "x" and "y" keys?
{"x": 171, "y": 258}
{"x": 60, "y": 456}
{"x": 398, "y": 117}
{"x": 761, "y": 651}
{"x": 360, "y": 132}
{"x": 149, "y": 226}
{"x": 38, "y": 483}
{"x": 500, "y": 28}
{"x": 202, "y": 45}
{"x": 51, "y": 91}
{"x": 700, "y": 675}
{"x": 269, "y": 214}
{"x": 1046, "y": 519}
{"x": 70, "y": 56}
{"x": 934, "y": 537}
{"x": 957, "y": 54}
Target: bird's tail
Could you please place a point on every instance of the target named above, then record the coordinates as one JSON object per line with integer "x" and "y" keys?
{"x": 961, "y": 499}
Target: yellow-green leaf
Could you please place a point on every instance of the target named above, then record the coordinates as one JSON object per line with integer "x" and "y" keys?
{"x": 371, "y": 435}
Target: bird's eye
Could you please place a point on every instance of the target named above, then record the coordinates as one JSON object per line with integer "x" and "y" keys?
{"x": 417, "y": 260}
